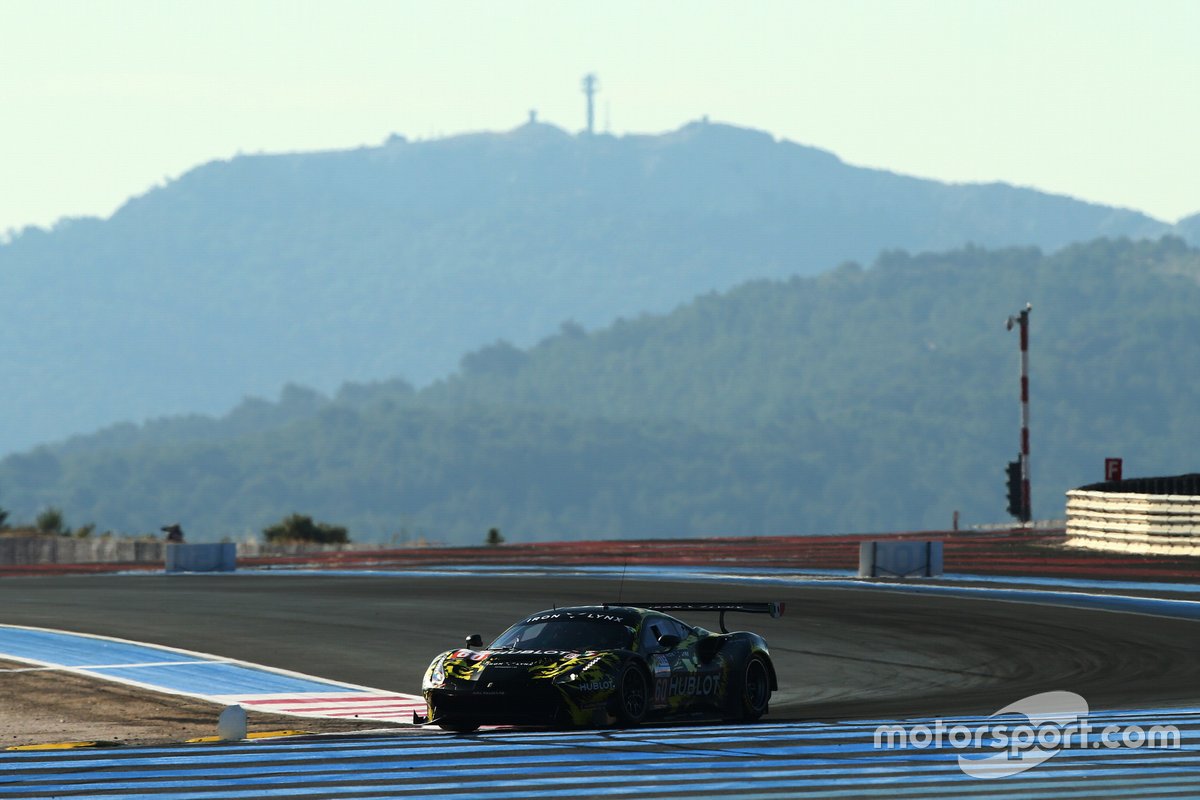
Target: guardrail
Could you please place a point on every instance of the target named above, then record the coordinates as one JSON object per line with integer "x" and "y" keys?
{"x": 1134, "y": 523}
{"x": 38, "y": 550}
{"x": 25, "y": 550}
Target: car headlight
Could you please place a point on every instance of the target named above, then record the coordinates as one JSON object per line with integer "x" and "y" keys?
{"x": 575, "y": 675}
{"x": 435, "y": 676}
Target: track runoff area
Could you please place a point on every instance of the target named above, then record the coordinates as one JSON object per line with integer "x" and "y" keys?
{"x": 899, "y": 691}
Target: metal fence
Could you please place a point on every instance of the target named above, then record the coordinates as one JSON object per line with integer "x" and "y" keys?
{"x": 25, "y": 550}
{"x": 35, "y": 550}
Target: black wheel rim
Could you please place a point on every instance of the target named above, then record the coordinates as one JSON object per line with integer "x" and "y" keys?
{"x": 758, "y": 689}
{"x": 634, "y": 694}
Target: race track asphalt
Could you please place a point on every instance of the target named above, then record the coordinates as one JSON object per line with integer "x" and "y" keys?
{"x": 840, "y": 653}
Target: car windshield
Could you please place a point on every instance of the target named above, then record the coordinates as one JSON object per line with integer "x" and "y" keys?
{"x": 566, "y": 633}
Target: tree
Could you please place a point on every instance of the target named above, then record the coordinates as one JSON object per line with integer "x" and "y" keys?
{"x": 301, "y": 528}
{"x": 500, "y": 358}
{"x": 51, "y": 521}
{"x": 494, "y": 539}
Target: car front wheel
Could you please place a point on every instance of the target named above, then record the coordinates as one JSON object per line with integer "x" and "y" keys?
{"x": 633, "y": 696}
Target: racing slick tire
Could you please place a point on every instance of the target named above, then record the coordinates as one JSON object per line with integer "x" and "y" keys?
{"x": 633, "y": 695}
{"x": 752, "y": 692}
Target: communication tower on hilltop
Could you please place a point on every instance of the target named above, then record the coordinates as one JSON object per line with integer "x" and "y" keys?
{"x": 589, "y": 89}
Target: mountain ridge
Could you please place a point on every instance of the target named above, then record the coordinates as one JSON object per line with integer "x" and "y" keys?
{"x": 244, "y": 275}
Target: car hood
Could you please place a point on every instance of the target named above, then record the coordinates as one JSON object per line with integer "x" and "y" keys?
{"x": 465, "y": 664}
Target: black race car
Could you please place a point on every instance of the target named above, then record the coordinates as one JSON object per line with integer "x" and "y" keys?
{"x": 611, "y": 664}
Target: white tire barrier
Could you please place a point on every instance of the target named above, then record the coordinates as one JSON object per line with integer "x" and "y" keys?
{"x": 202, "y": 557}
{"x": 1164, "y": 524}
{"x": 899, "y": 559}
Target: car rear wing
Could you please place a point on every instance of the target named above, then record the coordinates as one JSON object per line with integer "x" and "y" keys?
{"x": 774, "y": 609}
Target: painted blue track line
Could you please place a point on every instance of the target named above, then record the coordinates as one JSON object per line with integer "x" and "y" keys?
{"x": 162, "y": 668}
{"x": 758, "y": 740}
{"x": 1156, "y": 606}
{"x": 525, "y": 787}
{"x": 75, "y": 650}
{"x": 214, "y": 678}
{"x": 788, "y": 576}
{"x": 569, "y": 765}
{"x": 798, "y": 759}
{"x": 798, "y": 775}
{"x": 283, "y": 757}
{"x": 1097, "y": 584}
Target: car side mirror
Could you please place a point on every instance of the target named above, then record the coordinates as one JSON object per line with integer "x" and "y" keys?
{"x": 475, "y": 640}
{"x": 668, "y": 641}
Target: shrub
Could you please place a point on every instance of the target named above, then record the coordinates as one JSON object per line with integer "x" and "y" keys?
{"x": 51, "y": 521}
{"x": 301, "y": 528}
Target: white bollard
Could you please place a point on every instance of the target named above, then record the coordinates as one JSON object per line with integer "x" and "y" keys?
{"x": 231, "y": 725}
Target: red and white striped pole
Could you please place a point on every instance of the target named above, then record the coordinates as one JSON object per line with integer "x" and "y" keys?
{"x": 1022, "y": 319}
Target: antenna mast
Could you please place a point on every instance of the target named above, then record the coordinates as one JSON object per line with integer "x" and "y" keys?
{"x": 589, "y": 89}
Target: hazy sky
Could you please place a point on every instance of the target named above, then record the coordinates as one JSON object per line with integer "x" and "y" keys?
{"x": 102, "y": 100}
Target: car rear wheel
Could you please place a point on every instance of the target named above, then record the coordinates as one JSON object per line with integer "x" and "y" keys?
{"x": 755, "y": 693}
{"x": 633, "y": 695}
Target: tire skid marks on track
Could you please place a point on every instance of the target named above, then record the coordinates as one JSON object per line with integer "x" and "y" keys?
{"x": 764, "y": 760}
{"x": 1102, "y": 595}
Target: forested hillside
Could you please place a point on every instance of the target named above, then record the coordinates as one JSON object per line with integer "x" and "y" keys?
{"x": 861, "y": 399}
{"x": 1189, "y": 229}
{"x": 242, "y": 276}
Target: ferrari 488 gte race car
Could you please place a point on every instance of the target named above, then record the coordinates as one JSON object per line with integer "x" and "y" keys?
{"x": 611, "y": 664}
